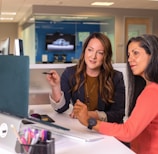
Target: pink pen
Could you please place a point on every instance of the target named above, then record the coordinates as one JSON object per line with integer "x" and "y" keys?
{"x": 29, "y": 136}
{"x": 42, "y": 135}
{"x": 24, "y": 142}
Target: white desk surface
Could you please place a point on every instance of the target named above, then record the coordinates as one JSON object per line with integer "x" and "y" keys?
{"x": 63, "y": 145}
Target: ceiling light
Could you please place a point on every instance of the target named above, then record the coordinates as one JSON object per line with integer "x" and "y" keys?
{"x": 32, "y": 19}
{"x": 73, "y": 17}
{"x": 1, "y": 18}
{"x": 102, "y": 3}
{"x": 96, "y": 23}
{"x": 8, "y": 13}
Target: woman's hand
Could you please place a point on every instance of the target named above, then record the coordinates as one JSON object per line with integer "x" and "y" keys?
{"x": 80, "y": 112}
{"x": 53, "y": 78}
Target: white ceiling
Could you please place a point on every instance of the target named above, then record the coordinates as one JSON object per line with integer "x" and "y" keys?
{"x": 21, "y": 7}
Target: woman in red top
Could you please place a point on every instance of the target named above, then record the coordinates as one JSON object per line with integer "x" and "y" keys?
{"x": 141, "y": 128}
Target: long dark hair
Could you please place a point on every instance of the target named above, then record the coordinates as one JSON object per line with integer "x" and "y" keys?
{"x": 136, "y": 84}
{"x": 106, "y": 87}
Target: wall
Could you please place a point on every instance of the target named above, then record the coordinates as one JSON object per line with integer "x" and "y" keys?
{"x": 9, "y": 30}
{"x": 28, "y": 36}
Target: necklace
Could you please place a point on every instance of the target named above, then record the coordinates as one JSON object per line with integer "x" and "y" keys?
{"x": 91, "y": 92}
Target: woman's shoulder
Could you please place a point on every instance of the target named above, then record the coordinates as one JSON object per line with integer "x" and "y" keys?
{"x": 117, "y": 74}
{"x": 152, "y": 85}
{"x": 118, "y": 77}
{"x": 70, "y": 69}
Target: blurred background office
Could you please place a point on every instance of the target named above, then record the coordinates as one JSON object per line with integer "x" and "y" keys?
{"x": 36, "y": 21}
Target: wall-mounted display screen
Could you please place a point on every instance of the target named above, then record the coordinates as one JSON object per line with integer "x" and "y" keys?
{"x": 60, "y": 41}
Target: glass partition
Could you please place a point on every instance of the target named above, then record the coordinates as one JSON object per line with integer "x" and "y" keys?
{"x": 80, "y": 27}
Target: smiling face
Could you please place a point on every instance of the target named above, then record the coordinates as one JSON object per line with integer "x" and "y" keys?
{"x": 94, "y": 54}
{"x": 138, "y": 58}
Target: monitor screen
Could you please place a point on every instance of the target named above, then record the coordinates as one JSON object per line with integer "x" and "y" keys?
{"x": 5, "y": 46}
{"x": 14, "y": 85}
{"x": 60, "y": 41}
{"x": 18, "y": 45}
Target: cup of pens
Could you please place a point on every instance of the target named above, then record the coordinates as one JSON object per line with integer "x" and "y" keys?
{"x": 34, "y": 141}
{"x": 46, "y": 147}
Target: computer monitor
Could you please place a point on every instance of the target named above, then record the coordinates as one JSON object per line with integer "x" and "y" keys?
{"x": 14, "y": 85}
{"x": 5, "y": 46}
{"x": 18, "y": 45}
